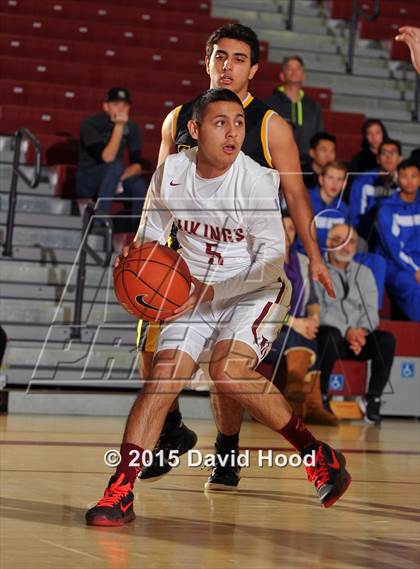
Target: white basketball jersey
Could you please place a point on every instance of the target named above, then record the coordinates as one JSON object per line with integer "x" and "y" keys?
{"x": 230, "y": 228}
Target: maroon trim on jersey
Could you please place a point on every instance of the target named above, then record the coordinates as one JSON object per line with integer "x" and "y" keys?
{"x": 264, "y": 311}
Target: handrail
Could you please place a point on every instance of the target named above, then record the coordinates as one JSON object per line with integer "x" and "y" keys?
{"x": 87, "y": 227}
{"x": 20, "y": 134}
{"x": 415, "y": 113}
{"x": 290, "y": 15}
{"x": 356, "y": 12}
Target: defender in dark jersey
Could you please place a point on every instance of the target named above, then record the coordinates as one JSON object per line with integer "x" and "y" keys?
{"x": 232, "y": 55}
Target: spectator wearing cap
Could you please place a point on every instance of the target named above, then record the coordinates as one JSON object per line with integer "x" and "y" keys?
{"x": 322, "y": 150}
{"x": 291, "y": 103}
{"x": 104, "y": 137}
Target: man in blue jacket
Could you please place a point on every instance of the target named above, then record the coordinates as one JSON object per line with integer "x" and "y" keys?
{"x": 369, "y": 189}
{"x": 327, "y": 202}
{"x": 399, "y": 240}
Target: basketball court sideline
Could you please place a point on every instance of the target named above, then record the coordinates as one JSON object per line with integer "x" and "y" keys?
{"x": 52, "y": 470}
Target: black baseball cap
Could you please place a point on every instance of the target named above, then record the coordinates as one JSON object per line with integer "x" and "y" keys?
{"x": 118, "y": 94}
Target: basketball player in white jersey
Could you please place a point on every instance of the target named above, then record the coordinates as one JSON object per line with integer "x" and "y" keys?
{"x": 232, "y": 58}
{"x": 230, "y": 229}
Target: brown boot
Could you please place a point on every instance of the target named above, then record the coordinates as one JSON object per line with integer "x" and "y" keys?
{"x": 298, "y": 361}
{"x": 314, "y": 409}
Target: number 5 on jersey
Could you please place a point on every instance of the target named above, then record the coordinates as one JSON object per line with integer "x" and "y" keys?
{"x": 215, "y": 258}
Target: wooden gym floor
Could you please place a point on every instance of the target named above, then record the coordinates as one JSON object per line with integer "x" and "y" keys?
{"x": 52, "y": 469}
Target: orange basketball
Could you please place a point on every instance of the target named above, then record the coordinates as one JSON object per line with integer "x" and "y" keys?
{"x": 152, "y": 282}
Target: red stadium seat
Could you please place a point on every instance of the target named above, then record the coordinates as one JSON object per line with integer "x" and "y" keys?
{"x": 190, "y": 6}
{"x": 349, "y": 123}
{"x": 85, "y": 30}
{"x": 101, "y": 76}
{"x": 347, "y": 145}
{"x": 384, "y": 28}
{"x": 400, "y": 51}
{"x": 138, "y": 16}
{"x": 85, "y": 99}
{"x": 408, "y": 10}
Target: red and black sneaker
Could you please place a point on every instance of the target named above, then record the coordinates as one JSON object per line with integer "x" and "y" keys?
{"x": 329, "y": 474}
{"x": 116, "y": 507}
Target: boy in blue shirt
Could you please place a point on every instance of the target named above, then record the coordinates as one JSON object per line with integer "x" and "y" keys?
{"x": 369, "y": 190}
{"x": 399, "y": 240}
{"x": 327, "y": 202}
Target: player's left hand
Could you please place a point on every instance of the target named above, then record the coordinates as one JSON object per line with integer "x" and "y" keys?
{"x": 320, "y": 273}
{"x": 201, "y": 293}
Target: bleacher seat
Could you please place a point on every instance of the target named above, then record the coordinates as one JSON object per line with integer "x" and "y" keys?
{"x": 347, "y": 144}
{"x": 348, "y": 123}
{"x": 384, "y": 28}
{"x": 85, "y": 99}
{"x": 406, "y": 10}
{"x": 137, "y": 16}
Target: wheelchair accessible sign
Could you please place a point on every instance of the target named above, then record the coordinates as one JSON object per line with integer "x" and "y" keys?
{"x": 408, "y": 370}
{"x": 336, "y": 382}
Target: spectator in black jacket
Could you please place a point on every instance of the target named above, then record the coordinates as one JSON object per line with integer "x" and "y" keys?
{"x": 291, "y": 103}
{"x": 374, "y": 133}
{"x": 103, "y": 139}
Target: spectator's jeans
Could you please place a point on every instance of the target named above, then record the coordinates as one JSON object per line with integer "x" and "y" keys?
{"x": 101, "y": 182}
{"x": 379, "y": 348}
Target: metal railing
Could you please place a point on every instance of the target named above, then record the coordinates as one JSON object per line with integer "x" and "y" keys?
{"x": 104, "y": 229}
{"x": 20, "y": 135}
{"x": 290, "y": 15}
{"x": 415, "y": 113}
{"x": 356, "y": 13}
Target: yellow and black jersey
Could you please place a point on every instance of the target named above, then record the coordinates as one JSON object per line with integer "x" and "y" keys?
{"x": 255, "y": 145}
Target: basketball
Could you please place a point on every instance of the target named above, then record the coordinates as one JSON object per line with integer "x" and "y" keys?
{"x": 152, "y": 282}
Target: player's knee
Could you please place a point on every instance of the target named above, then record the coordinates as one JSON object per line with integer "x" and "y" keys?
{"x": 227, "y": 374}
{"x": 164, "y": 380}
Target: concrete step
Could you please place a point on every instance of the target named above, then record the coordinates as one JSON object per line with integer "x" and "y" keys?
{"x": 409, "y": 132}
{"x": 33, "y": 273}
{"x": 24, "y": 377}
{"x": 298, "y": 43}
{"x": 44, "y": 220}
{"x": 107, "y": 334}
{"x": 53, "y": 293}
{"x": 69, "y": 238}
{"x": 97, "y": 362}
{"x": 46, "y": 312}
{"x": 302, "y": 7}
{"x": 29, "y": 203}
{"x": 47, "y": 256}
{"x": 259, "y": 20}
{"x": 43, "y": 189}
{"x": 382, "y": 109}
{"x": 362, "y": 86}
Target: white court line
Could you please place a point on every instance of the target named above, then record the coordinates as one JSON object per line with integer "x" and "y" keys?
{"x": 70, "y": 549}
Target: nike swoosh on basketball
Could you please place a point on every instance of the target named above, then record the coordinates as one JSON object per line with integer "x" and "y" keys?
{"x": 171, "y": 183}
{"x": 125, "y": 508}
{"x": 140, "y": 300}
